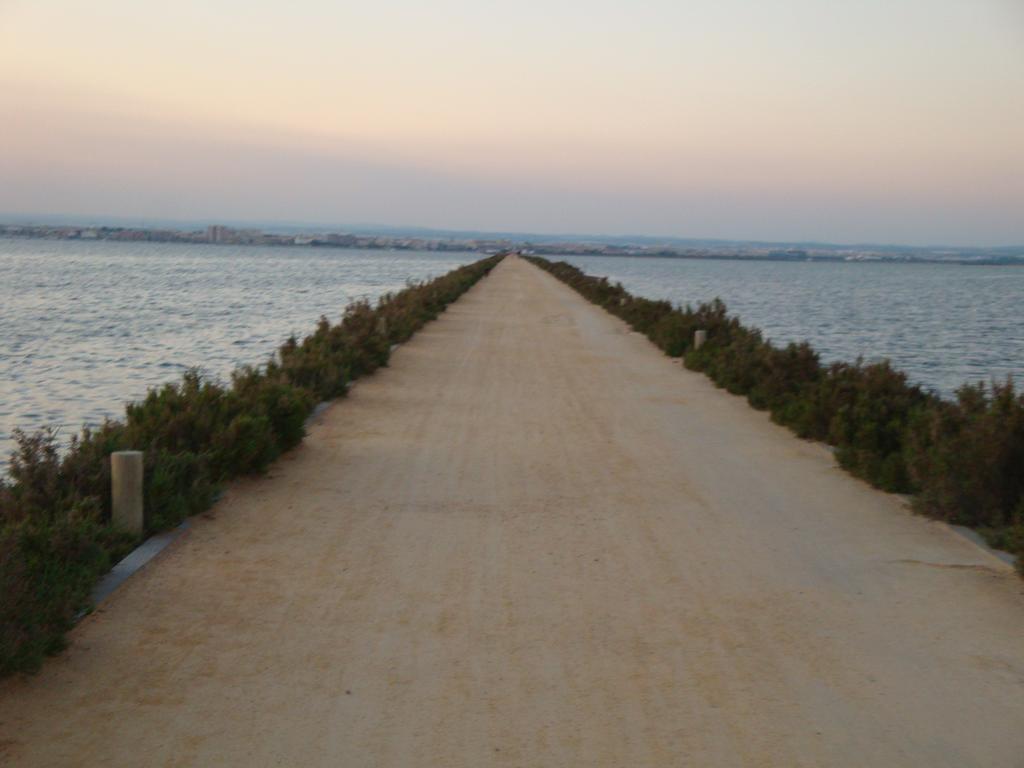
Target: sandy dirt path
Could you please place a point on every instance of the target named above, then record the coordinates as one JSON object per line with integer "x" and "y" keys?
{"x": 535, "y": 541}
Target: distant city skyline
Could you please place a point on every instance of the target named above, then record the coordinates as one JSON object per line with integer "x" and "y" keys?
{"x": 368, "y": 237}
{"x": 797, "y": 120}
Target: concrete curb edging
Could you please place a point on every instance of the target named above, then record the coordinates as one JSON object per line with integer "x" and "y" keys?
{"x": 134, "y": 561}
{"x": 979, "y": 540}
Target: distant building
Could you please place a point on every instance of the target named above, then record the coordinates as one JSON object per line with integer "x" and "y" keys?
{"x": 215, "y": 233}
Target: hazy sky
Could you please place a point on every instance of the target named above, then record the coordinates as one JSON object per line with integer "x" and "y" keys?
{"x": 874, "y": 120}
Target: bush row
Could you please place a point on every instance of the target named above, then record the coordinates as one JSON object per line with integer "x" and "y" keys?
{"x": 963, "y": 460}
{"x": 56, "y": 539}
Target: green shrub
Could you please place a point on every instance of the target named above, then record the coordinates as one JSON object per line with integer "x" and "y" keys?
{"x": 967, "y": 457}
{"x": 37, "y": 492}
{"x": 46, "y": 572}
{"x": 286, "y": 406}
{"x": 177, "y": 485}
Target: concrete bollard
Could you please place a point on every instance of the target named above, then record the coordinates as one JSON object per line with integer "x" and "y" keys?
{"x": 699, "y": 337}
{"x": 126, "y": 491}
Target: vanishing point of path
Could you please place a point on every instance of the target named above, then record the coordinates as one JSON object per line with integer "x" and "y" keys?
{"x": 535, "y": 541}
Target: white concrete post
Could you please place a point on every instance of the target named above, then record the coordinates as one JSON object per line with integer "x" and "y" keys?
{"x": 126, "y": 491}
{"x": 699, "y": 337}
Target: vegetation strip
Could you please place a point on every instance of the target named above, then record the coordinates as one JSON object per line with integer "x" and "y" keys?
{"x": 963, "y": 460}
{"x": 56, "y": 540}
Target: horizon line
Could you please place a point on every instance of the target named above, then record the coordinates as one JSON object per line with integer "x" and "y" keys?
{"x": 72, "y": 219}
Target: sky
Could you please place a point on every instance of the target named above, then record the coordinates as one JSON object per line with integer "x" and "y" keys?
{"x": 895, "y": 121}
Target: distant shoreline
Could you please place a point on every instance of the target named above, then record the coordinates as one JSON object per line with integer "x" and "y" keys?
{"x": 816, "y": 259}
{"x": 557, "y": 247}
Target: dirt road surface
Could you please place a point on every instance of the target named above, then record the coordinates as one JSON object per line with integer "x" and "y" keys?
{"x": 535, "y": 541}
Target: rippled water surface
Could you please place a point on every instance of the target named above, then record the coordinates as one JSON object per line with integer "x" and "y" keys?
{"x": 85, "y": 327}
{"x": 942, "y": 324}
